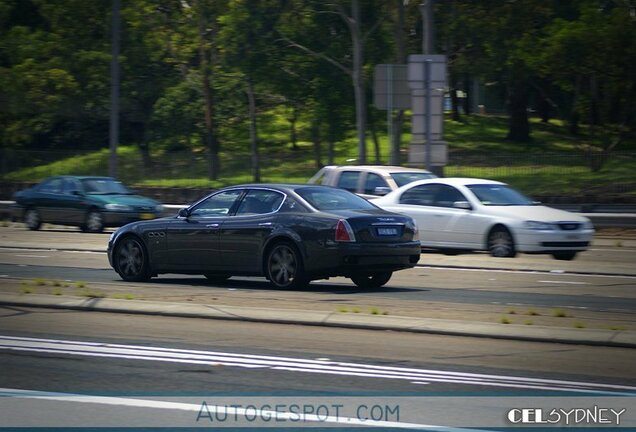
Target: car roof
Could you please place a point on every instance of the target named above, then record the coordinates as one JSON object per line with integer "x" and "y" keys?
{"x": 376, "y": 168}
{"x": 82, "y": 177}
{"x": 452, "y": 181}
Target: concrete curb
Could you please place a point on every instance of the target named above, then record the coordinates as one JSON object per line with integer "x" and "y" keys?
{"x": 608, "y": 338}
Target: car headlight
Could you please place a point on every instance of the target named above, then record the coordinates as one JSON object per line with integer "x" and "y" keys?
{"x": 588, "y": 225}
{"x": 416, "y": 231}
{"x": 538, "y": 226}
{"x": 118, "y": 207}
{"x": 159, "y": 208}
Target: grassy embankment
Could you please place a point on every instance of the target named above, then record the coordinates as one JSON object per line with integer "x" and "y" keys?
{"x": 477, "y": 148}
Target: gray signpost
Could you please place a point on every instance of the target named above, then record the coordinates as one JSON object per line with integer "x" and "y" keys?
{"x": 427, "y": 81}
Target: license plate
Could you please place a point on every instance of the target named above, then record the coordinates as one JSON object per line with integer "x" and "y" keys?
{"x": 146, "y": 216}
{"x": 573, "y": 237}
{"x": 387, "y": 231}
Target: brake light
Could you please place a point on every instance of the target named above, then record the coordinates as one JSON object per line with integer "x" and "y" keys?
{"x": 344, "y": 233}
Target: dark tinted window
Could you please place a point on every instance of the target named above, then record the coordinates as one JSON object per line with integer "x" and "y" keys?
{"x": 349, "y": 180}
{"x": 333, "y": 199}
{"x": 447, "y": 195}
{"x": 260, "y": 202}
{"x": 403, "y": 178}
{"x": 218, "y": 204}
{"x": 103, "y": 186}
{"x": 420, "y": 195}
{"x": 498, "y": 195}
{"x": 373, "y": 181}
{"x": 55, "y": 185}
{"x": 71, "y": 185}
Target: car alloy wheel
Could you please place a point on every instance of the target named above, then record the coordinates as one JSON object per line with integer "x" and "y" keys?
{"x": 284, "y": 267}
{"x": 500, "y": 243}
{"x": 94, "y": 222}
{"x": 371, "y": 280}
{"x": 32, "y": 219}
{"x": 130, "y": 260}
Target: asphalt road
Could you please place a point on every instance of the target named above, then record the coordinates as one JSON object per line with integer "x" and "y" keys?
{"x": 132, "y": 370}
{"x": 144, "y": 358}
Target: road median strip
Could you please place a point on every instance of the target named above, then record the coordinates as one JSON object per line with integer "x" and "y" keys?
{"x": 446, "y": 327}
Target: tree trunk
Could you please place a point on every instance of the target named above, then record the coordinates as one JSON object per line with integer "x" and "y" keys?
{"x": 519, "y": 127}
{"x": 256, "y": 174}
{"x": 468, "y": 99}
{"x": 400, "y": 49}
{"x": 315, "y": 139}
{"x": 211, "y": 140}
{"x": 357, "y": 77}
{"x": 293, "y": 134}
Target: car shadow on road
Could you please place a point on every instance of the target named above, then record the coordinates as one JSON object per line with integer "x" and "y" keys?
{"x": 321, "y": 286}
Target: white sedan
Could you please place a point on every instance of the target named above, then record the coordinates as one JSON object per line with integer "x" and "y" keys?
{"x": 456, "y": 214}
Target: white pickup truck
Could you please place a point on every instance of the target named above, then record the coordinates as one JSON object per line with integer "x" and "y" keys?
{"x": 368, "y": 181}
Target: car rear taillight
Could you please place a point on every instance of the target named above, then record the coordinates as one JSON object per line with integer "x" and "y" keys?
{"x": 344, "y": 233}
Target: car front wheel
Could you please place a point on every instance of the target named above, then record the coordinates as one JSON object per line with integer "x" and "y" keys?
{"x": 371, "y": 280}
{"x": 131, "y": 261}
{"x": 94, "y": 222}
{"x": 501, "y": 244}
{"x": 284, "y": 267}
{"x": 32, "y": 219}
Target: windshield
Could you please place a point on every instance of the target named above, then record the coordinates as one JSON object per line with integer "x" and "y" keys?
{"x": 499, "y": 195}
{"x": 323, "y": 198}
{"x": 403, "y": 178}
{"x": 104, "y": 186}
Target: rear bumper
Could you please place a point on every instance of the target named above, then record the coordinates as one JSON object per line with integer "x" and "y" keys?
{"x": 344, "y": 259}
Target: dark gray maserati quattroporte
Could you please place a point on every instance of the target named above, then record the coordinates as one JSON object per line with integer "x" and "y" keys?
{"x": 291, "y": 234}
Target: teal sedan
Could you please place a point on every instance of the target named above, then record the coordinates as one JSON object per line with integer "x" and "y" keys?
{"x": 92, "y": 203}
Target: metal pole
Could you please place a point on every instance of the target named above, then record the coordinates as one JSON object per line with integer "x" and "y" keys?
{"x": 114, "y": 91}
{"x": 428, "y": 27}
{"x": 427, "y": 112}
{"x": 389, "y": 108}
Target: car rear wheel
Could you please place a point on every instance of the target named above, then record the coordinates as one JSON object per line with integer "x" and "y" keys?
{"x": 371, "y": 280}
{"x": 501, "y": 244}
{"x": 131, "y": 261}
{"x": 94, "y": 222}
{"x": 564, "y": 256}
{"x": 284, "y": 267}
{"x": 32, "y": 219}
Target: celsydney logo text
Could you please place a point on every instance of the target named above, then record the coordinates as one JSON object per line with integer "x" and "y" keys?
{"x": 571, "y": 416}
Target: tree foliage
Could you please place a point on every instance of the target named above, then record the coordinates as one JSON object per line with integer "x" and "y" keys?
{"x": 199, "y": 74}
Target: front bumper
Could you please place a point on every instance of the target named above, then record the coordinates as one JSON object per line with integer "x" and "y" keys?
{"x": 555, "y": 240}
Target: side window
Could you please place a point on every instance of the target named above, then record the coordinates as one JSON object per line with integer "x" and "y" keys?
{"x": 52, "y": 186}
{"x": 373, "y": 181}
{"x": 71, "y": 185}
{"x": 423, "y": 195}
{"x": 349, "y": 180}
{"x": 447, "y": 195}
{"x": 258, "y": 202}
{"x": 217, "y": 205}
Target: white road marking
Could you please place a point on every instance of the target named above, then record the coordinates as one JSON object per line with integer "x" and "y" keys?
{"x": 563, "y": 282}
{"x": 167, "y": 405}
{"x": 135, "y": 352}
{"x": 32, "y": 256}
{"x": 521, "y": 271}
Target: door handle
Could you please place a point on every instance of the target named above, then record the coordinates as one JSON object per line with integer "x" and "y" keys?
{"x": 214, "y": 225}
{"x": 265, "y": 224}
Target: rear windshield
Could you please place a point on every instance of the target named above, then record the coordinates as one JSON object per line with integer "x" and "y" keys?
{"x": 403, "y": 178}
{"x": 324, "y": 198}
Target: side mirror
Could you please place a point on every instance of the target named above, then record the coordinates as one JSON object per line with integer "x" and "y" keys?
{"x": 184, "y": 213}
{"x": 536, "y": 203}
{"x": 77, "y": 192}
{"x": 464, "y": 205}
{"x": 381, "y": 190}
